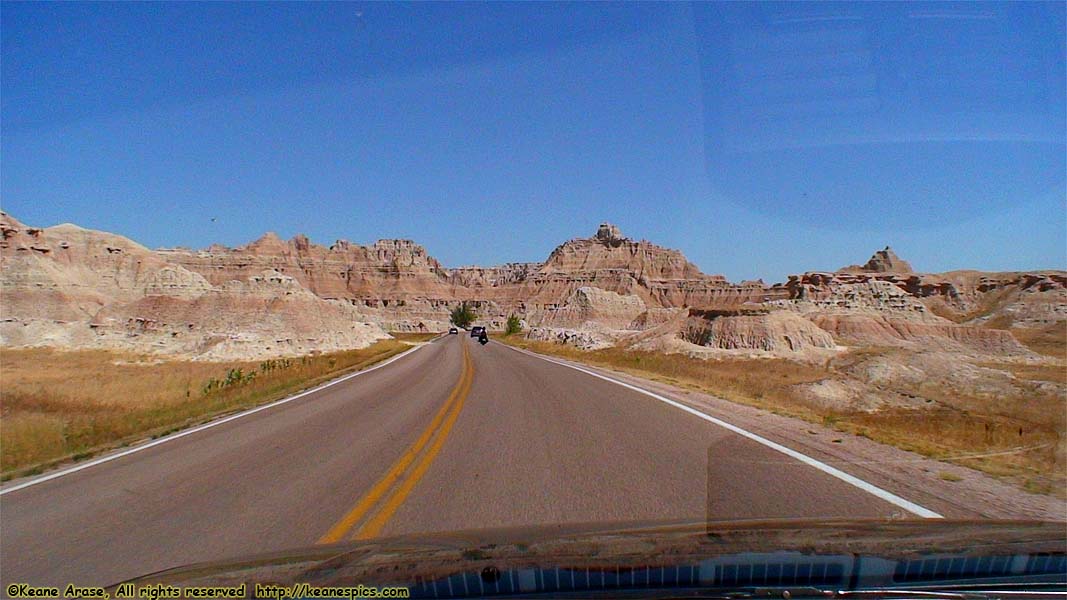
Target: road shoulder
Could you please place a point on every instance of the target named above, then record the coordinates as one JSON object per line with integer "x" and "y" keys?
{"x": 118, "y": 450}
{"x": 952, "y": 490}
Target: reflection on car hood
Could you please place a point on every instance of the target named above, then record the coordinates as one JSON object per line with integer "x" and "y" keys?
{"x": 412, "y": 560}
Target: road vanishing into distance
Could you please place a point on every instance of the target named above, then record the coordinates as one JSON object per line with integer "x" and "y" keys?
{"x": 451, "y": 436}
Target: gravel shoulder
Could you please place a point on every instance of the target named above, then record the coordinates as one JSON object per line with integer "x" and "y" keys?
{"x": 952, "y": 490}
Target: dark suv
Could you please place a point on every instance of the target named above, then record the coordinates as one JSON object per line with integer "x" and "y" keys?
{"x": 477, "y": 331}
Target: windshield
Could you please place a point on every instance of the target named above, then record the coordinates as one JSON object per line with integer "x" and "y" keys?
{"x": 709, "y": 263}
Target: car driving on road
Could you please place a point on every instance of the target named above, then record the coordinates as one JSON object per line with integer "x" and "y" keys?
{"x": 453, "y": 331}
{"x": 477, "y": 331}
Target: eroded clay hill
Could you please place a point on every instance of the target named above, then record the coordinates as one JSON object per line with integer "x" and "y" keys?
{"x": 66, "y": 286}
{"x": 658, "y": 276}
{"x": 398, "y": 284}
{"x": 69, "y": 287}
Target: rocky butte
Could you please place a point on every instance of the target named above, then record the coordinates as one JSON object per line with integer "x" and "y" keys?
{"x": 69, "y": 287}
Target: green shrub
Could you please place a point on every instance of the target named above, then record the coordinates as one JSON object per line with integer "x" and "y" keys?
{"x": 463, "y": 315}
{"x": 514, "y": 326}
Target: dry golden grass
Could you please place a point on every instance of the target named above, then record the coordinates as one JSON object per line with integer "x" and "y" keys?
{"x": 755, "y": 382}
{"x": 1053, "y": 373}
{"x": 1018, "y": 432}
{"x": 1027, "y": 453}
{"x": 413, "y": 337}
{"x": 1050, "y": 341}
{"x": 56, "y": 406}
{"x": 987, "y": 303}
{"x": 977, "y": 430}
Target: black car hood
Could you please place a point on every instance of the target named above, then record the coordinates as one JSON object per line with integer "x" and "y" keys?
{"x": 402, "y": 560}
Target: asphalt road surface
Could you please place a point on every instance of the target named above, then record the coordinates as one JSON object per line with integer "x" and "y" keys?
{"x": 452, "y": 436}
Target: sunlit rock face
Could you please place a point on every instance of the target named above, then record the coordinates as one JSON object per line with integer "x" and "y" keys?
{"x": 591, "y": 304}
{"x": 882, "y": 261}
{"x": 659, "y": 277}
{"x": 401, "y": 285}
{"x": 71, "y": 287}
{"x": 885, "y": 303}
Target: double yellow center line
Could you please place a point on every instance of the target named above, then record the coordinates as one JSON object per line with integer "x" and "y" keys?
{"x": 373, "y": 511}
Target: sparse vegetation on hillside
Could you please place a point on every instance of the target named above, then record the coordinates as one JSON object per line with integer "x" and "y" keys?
{"x": 514, "y": 325}
{"x": 463, "y": 315}
{"x": 986, "y": 305}
{"x": 1020, "y": 436}
{"x": 67, "y": 405}
{"x": 1050, "y": 341}
{"x": 413, "y": 337}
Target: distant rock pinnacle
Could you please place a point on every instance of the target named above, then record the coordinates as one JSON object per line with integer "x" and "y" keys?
{"x": 886, "y": 261}
{"x": 609, "y": 233}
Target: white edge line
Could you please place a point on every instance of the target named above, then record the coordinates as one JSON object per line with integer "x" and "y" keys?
{"x": 202, "y": 427}
{"x": 825, "y": 468}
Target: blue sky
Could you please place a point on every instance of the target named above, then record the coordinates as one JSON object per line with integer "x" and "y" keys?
{"x": 761, "y": 139}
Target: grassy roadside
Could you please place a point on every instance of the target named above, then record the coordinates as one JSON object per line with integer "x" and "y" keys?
{"x": 413, "y": 337}
{"x": 974, "y": 431}
{"x": 61, "y": 406}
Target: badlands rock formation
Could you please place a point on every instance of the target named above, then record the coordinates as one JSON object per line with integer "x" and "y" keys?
{"x": 398, "y": 284}
{"x": 1017, "y": 300}
{"x": 394, "y": 282}
{"x": 659, "y": 276}
{"x": 883, "y": 261}
{"x": 70, "y": 287}
{"x": 966, "y": 311}
{"x": 583, "y": 339}
{"x": 592, "y": 305}
{"x": 745, "y": 331}
{"x": 771, "y": 331}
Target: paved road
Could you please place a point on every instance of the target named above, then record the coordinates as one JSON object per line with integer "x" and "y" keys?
{"x": 452, "y": 436}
